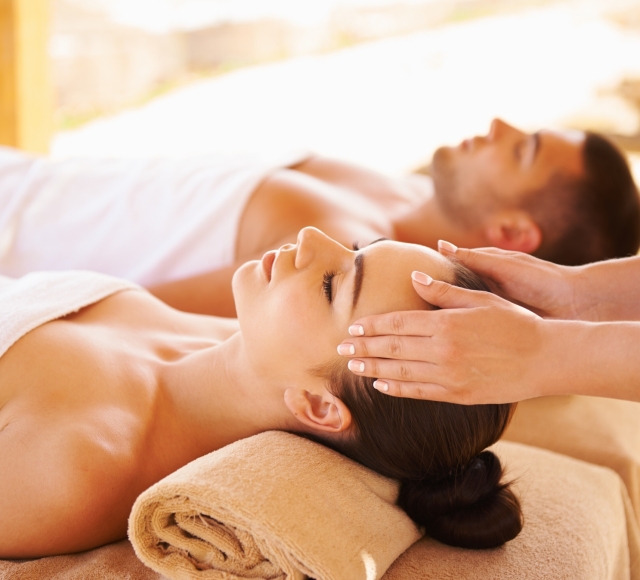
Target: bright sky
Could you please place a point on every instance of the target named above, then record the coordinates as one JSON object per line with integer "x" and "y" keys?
{"x": 389, "y": 104}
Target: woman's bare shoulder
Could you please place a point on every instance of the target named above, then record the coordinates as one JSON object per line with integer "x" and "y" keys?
{"x": 61, "y": 490}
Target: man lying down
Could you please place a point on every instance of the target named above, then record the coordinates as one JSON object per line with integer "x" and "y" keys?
{"x": 104, "y": 390}
{"x": 182, "y": 228}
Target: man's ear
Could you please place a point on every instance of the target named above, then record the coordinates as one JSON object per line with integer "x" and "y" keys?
{"x": 319, "y": 412}
{"x": 513, "y": 230}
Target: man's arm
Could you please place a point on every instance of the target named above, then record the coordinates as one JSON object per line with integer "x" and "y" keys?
{"x": 211, "y": 293}
{"x": 208, "y": 293}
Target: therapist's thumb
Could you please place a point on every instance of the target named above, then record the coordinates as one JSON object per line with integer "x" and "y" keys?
{"x": 445, "y": 295}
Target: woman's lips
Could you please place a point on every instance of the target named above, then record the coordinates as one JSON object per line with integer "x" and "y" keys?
{"x": 267, "y": 263}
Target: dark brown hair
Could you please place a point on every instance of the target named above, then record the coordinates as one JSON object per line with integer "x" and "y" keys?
{"x": 450, "y": 484}
{"x": 593, "y": 217}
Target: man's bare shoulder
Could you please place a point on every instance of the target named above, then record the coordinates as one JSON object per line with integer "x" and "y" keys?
{"x": 374, "y": 185}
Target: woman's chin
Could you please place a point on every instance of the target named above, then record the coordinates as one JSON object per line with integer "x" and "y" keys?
{"x": 248, "y": 280}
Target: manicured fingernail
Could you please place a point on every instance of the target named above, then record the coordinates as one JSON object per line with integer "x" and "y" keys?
{"x": 346, "y": 348}
{"x": 380, "y": 386}
{"x": 356, "y": 366}
{"x": 356, "y": 330}
{"x": 447, "y": 246}
{"x": 421, "y": 278}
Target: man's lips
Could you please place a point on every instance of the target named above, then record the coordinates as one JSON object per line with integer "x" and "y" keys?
{"x": 267, "y": 263}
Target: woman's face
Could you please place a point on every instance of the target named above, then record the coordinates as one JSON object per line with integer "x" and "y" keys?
{"x": 295, "y": 305}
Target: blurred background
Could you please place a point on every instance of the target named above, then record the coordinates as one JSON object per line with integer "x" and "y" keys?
{"x": 378, "y": 82}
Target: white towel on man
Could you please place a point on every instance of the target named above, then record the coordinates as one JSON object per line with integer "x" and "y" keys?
{"x": 146, "y": 220}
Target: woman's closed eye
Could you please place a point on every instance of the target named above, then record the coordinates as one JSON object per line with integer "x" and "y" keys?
{"x": 327, "y": 286}
{"x": 327, "y": 279}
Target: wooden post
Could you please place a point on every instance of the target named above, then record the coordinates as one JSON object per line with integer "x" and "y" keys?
{"x": 25, "y": 89}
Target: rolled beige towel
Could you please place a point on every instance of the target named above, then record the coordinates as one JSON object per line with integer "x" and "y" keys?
{"x": 274, "y": 506}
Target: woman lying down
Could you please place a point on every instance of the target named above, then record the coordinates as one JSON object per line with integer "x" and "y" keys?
{"x": 99, "y": 404}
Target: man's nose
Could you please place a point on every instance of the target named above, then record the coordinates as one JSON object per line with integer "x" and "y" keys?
{"x": 499, "y": 129}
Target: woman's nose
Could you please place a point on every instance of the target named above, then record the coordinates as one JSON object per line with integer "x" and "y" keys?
{"x": 314, "y": 244}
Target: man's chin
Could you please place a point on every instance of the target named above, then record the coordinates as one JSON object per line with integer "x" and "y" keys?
{"x": 442, "y": 156}
{"x": 442, "y": 164}
{"x": 444, "y": 175}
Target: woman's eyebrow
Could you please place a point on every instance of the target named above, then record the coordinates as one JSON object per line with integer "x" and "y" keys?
{"x": 357, "y": 280}
{"x": 359, "y": 275}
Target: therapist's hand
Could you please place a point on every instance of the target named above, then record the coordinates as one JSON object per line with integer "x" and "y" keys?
{"x": 479, "y": 348}
{"x": 550, "y": 290}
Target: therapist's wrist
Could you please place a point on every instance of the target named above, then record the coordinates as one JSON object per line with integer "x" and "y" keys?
{"x": 607, "y": 291}
{"x": 610, "y": 366}
{"x": 567, "y": 361}
{"x": 586, "y": 293}
{"x": 591, "y": 359}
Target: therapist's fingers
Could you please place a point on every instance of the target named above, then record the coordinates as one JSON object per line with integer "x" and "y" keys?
{"x": 395, "y": 370}
{"x": 492, "y": 264}
{"x": 425, "y": 392}
{"x": 444, "y": 295}
{"x": 407, "y": 390}
{"x": 420, "y": 322}
{"x": 545, "y": 288}
{"x": 387, "y": 346}
{"x": 515, "y": 274}
{"x": 405, "y": 322}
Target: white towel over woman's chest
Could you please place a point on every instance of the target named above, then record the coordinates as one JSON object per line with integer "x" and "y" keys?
{"x": 41, "y": 297}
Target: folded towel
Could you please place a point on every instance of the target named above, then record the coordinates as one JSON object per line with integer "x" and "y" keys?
{"x": 274, "y": 506}
{"x": 37, "y": 298}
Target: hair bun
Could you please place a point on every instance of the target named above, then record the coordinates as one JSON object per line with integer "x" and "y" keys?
{"x": 468, "y": 509}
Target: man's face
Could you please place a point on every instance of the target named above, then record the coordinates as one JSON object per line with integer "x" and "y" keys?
{"x": 485, "y": 174}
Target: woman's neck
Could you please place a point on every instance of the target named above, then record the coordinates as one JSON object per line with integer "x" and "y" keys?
{"x": 219, "y": 399}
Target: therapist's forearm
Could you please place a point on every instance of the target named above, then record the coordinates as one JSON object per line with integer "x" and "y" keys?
{"x": 597, "y": 359}
{"x": 607, "y": 291}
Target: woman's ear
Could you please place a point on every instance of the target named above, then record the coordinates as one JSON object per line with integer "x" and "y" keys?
{"x": 319, "y": 412}
{"x": 513, "y": 230}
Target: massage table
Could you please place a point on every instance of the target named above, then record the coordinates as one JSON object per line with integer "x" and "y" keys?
{"x": 579, "y": 518}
